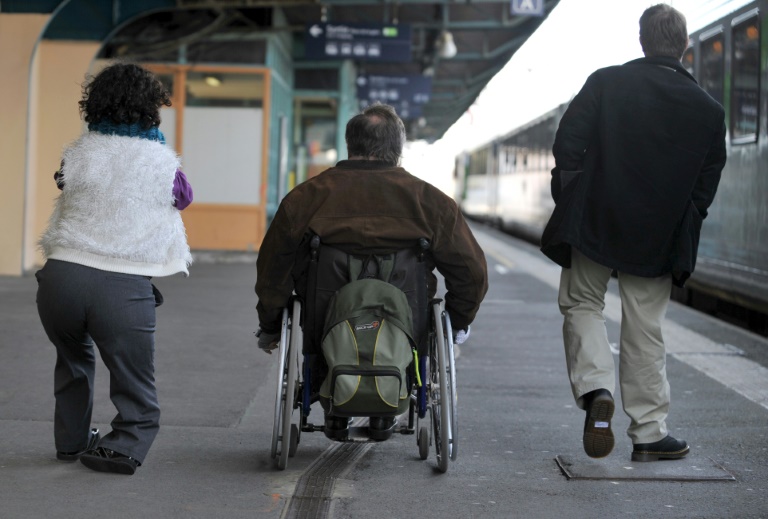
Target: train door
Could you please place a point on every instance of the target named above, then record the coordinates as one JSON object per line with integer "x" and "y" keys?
{"x": 492, "y": 174}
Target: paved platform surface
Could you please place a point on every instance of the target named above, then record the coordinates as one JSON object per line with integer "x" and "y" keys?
{"x": 516, "y": 416}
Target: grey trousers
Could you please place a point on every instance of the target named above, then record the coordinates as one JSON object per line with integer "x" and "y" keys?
{"x": 642, "y": 359}
{"x": 80, "y": 306}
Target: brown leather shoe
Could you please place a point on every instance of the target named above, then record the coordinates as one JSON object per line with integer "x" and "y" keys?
{"x": 598, "y": 437}
{"x": 666, "y": 449}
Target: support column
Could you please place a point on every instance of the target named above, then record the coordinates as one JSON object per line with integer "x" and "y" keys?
{"x": 18, "y": 35}
{"x": 59, "y": 71}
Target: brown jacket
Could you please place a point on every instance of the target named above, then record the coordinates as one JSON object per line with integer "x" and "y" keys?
{"x": 367, "y": 207}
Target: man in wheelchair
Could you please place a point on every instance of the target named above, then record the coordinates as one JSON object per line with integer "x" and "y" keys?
{"x": 366, "y": 206}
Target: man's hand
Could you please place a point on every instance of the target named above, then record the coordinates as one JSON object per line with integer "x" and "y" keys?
{"x": 268, "y": 341}
{"x": 461, "y": 336}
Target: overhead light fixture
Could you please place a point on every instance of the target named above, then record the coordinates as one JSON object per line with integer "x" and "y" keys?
{"x": 446, "y": 48}
{"x": 212, "y": 80}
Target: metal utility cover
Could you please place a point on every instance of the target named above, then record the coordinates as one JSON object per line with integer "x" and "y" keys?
{"x": 691, "y": 468}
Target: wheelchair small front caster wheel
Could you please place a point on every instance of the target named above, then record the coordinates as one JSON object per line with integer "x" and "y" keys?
{"x": 294, "y": 444}
{"x": 423, "y": 443}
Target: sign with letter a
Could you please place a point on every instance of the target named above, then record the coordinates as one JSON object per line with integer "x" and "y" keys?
{"x": 527, "y": 7}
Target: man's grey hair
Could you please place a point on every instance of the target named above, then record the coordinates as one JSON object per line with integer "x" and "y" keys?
{"x": 376, "y": 133}
{"x": 663, "y": 32}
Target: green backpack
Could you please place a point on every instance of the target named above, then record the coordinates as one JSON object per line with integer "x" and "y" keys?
{"x": 368, "y": 344}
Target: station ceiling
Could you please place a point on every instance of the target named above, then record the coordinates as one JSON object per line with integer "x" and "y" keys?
{"x": 484, "y": 32}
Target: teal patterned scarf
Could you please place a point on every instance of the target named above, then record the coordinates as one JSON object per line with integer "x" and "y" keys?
{"x": 127, "y": 130}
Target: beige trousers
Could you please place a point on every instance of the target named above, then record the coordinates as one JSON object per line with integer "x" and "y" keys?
{"x": 642, "y": 358}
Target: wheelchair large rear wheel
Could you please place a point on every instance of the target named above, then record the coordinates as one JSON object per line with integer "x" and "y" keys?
{"x": 282, "y": 352}
{"x": 450, "y": 358}
{"x": 284, "y": 435}
{"x": 443, "y": 390}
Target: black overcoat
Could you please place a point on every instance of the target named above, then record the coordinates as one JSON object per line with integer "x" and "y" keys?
{"x": 638, "y": 157}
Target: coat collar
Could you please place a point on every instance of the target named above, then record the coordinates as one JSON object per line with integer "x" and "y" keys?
{"x": 663, "y": 61}
{"x": 364, "y": 164}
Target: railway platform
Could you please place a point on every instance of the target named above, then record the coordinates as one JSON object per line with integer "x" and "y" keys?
{"x": 519, "y": 448}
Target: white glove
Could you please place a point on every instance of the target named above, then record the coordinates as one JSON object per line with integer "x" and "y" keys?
{"x": 268, "y": 341}
{"x": 461, "y": 336}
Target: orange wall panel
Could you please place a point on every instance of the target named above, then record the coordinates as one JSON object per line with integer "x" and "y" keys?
{"x": 224, "y": 227}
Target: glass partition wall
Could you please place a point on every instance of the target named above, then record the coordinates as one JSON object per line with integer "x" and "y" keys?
{"x": 218, "y": 124}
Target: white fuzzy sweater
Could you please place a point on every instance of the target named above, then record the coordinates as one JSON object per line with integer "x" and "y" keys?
{"x": 116, "y": 210}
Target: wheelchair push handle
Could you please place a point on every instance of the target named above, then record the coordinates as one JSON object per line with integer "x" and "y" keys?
{"x": 314, "y": 247}
{"x": 424, "y": 246}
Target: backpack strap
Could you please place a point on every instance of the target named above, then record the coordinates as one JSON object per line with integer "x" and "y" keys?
{"x": 372, "y": 266}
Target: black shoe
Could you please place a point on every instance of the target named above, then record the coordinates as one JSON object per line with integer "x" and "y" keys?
{"x": 93, "y": 440}
{"x": 598, "y": 437}
{"x": 666, "y": 449}
{"x": 336, "y": 428}
{"x": 107, "y": 460}
{"x": 381, "y": 427}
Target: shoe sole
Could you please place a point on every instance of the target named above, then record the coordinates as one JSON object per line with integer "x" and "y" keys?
{"x": 68, "y": 458}
{"x": 93, "y": 440}
{"x": 100, "y": 464}
{"x": 656, "y": 455}
{"x": 337, "y": 434}
{"x": 598, "y": 436}
{"x": 382, "y": 434}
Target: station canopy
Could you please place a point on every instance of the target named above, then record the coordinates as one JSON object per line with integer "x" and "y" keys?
{"x": 453, "y": 46}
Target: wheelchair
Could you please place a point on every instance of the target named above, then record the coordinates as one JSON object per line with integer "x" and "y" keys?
{"x": 431, "y": 410}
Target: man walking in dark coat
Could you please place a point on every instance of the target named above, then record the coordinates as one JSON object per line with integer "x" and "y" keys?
{"x": 638, "y": 157}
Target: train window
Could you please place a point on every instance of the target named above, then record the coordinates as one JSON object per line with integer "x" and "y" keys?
{"x": 745, "y": 83}
{"x": 505, "y": 162}
{"x": 712, "y": 66}
{"x": 688, "y": 60}
{"x": 478, "y": 163}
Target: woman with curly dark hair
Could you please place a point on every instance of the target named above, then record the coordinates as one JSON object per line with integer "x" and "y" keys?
{"x": 115, "y": 225}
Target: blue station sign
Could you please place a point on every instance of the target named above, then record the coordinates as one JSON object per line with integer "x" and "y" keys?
{"x": 363, "y": 42}
{"x": 413, "y": 89}
{"x": 404, "y": 109}
{"x": 407, "y": 93}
